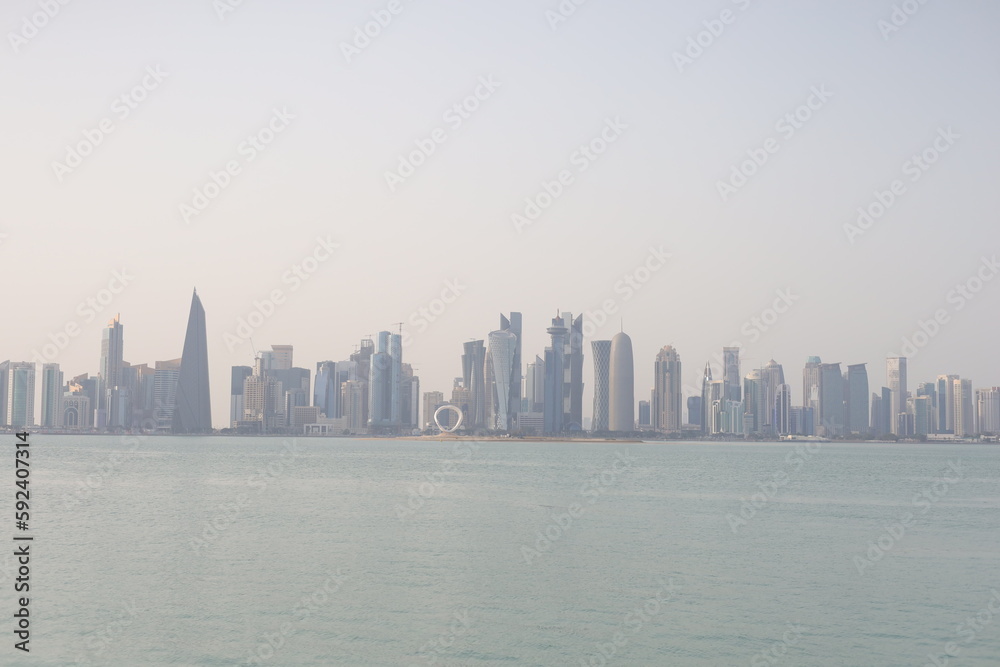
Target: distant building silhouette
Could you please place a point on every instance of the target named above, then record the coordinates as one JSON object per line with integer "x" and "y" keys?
{"x": 602, "y": 378}
{"x": 193, "y": 407}
{"x": 622, "y": 385}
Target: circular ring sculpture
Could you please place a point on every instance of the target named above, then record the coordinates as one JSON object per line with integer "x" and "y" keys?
{"x": 455, "y": 409}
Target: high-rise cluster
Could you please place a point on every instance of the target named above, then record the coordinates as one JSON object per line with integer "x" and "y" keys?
{"x": 172, "y": 397}
{"x": 374, "y": 392}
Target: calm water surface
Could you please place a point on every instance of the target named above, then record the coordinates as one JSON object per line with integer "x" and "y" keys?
{"x": 228, "y": 551}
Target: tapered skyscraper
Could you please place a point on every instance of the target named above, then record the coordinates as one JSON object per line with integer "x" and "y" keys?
{"x": 500, "y": 371}
{"x": 621, "y": 385}
{"x": 193, "y": 408}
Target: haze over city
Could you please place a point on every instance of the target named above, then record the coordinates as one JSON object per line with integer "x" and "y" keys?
{"x": 597, "y": 111}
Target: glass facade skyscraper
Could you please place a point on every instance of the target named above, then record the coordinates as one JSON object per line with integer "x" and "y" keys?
{"x": 601, "y": 350}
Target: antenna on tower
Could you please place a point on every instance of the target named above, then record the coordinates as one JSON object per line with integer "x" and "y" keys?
{"x": 400, "y": 327}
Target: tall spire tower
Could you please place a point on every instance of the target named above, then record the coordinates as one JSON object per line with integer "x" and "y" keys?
{"x": 193, "y": 408}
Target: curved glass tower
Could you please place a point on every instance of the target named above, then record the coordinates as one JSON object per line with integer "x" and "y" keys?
{"x": 500, "y": 357}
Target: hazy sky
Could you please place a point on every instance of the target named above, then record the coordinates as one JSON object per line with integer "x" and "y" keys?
{"x": 879, "y": 97}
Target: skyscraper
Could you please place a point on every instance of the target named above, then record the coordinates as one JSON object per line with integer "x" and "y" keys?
{"x": 754, "y": 402}
{"x": 21, "y": 394}
{"x": 409, "y": 400}
{"x": 534, "y": 386}
{"x": 929, "y": 389}
{"x": 362, "y": 360}
{"x": 857, "y": 399}
{"x": 602, "y": 369}
{"x": 946, "y": 403}
{"x": 432, "y": 401}
{"x": 500, "y": 365}
{"x": 573, "y": 373}
{"x": 964, "y": 411}
{"x": 512, "y": 324}
{"x": 810, "y": 389}
{"x": 731, "y": 374}
{"x": 112, "y": 343}
{"x": 473, "y": 366}
{"x": 706, "y": 400}
{"x": 385, "y": 382}
{"x": 887, "y": 420}
{"x": 644, "y": 415}
{"x": 921, "y": 415}
{"x": 667, "y": 393}
{"x": 193, "y": 406}
{"x": 327, "y": 389}
{"x": 831, "y": 400}
{"x": 52, "y": 391}
{"x": 895, "y": 372}
{"x": 278, "y": 358}
{"x": 694, "y": 410}
{"x": 236, "y": 405}
{"x": 772, "y": 377}
{"x": 263, "y": 407}
{"x": 876, "y": 416}
{"x": 555, "y": 377}
{"x": 621, "y": 385}
{"x": 988, "y": 410}
{"x": 783, "y": 410}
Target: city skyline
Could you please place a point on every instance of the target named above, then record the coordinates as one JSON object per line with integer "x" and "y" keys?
{"x": 815, "y": 252}
{"x": 747, "y": 399}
